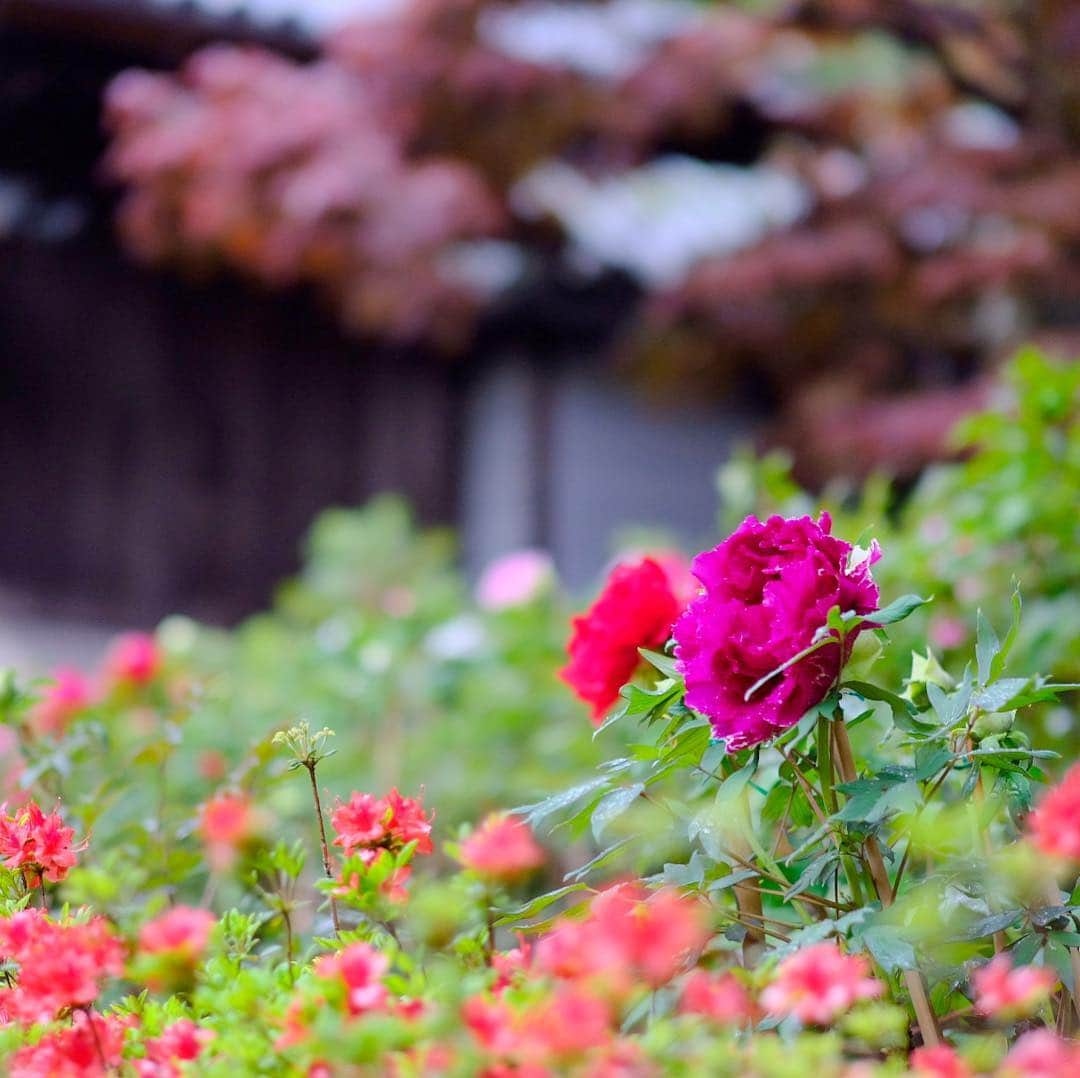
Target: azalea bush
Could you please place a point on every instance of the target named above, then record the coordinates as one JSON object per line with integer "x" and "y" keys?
{"x": 793, "y": 836}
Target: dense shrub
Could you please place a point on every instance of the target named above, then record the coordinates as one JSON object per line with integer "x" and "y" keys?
{"x": 786, "y": 847}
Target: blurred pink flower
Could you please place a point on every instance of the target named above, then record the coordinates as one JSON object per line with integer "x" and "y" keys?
{"x": 133, "y": 659}
{"x": 947, "y": 632}
{"x": 501, "y": 848}
{"x": 1040, "y": 1053}
{"x": 722, "y": 998}
{"x": 514, "y": 579}
{"x": 183, "y": 931}
{"x": 941, "y": 1061}
{"x": 1008, "y": 993}
{"x": 1054, "y": 826}
{"x": 67, "y": 695}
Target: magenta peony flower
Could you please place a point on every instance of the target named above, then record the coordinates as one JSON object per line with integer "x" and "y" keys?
{"x": 769, "y": 588}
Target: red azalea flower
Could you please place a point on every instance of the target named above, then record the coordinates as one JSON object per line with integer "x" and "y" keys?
{"x": 635, "y": 610}
{"x": 37, "y": 843}
{"x": 361, "y": 821}
{"x": 75, "y": 1050}
{"x": 61, "y": 964}
{"x": 360, "y": 967}
{"x": 408, "y": 821}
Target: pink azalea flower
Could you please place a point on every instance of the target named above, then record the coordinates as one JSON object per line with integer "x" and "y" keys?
{"x": 514, "y": 579}
{"x": 941, "y": 1061}
{"x": 501, "y": 848}
{"x": 629, "y": 936}
{"x": 1041, "y": 1054}
{"x": 722, "y": 999}
{"x": 183, "y": 931}
{"x": 360, "y": 967}
{"x": 769, "y": 588}
{"x": 1005, "y": 992}
{"x": 1055, "y": 825}
{"x": 818, "y": 983}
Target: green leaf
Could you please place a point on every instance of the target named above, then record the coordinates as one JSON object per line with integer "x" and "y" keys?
{"x": 987, "y": 926}
{"x": 987, "y": 647}
{"x": 613, "y": 805}
{"x": 732, "y": 878}
{"x": 539, "y": 904}
{"x": 897, "y": 610}
{"x": 890, "y": 949}
{"x": 664, "y": 663}
{"x": 601, "y": 859}
{"x": 541, "y": 810}
{"x": 998, "y": 663}
{"x": 818, "y": 870}
{"x": 930, "y": 759}
{"x": 872, "y": 692}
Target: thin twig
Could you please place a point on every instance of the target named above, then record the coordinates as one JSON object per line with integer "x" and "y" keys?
{"x": 328, "y": 865}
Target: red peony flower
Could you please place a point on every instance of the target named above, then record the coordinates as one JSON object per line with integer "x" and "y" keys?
{"x": 769, "y": 588}
{"x": 37, "y": 844}
{"x": 501, "y": 848}
{"x": 635, "y": 610}
{"x": 68, "y": 694}
{"x": 818, "y": 983}
{"x": 1055, "y": 825}
{"x": 183, "y": 931}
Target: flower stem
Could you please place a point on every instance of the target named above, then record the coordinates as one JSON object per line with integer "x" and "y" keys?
{"x": 828, "y": 793}
{"x": 328, "y": 865}
{"x": 920, "y": 998}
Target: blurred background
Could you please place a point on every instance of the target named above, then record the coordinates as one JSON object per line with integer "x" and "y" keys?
{"x": 537, "y": 266}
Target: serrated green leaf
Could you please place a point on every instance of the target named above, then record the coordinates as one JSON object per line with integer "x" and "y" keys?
{"x": 898, "y": 609}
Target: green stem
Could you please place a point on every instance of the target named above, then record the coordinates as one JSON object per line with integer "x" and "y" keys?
{"x": 825, "y": 774}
